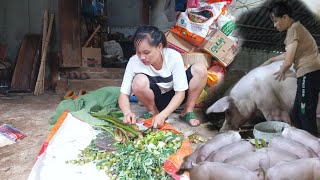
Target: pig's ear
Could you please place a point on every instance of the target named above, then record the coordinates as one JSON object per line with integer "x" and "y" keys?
{"x": 219, "y": 106}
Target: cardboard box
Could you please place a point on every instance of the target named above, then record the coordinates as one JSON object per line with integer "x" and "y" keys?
{"x": 177, "y": 43}
{"x": 91, "y": 57}
{"x": 220, "y": 47}
{"x": 191, "y": 58}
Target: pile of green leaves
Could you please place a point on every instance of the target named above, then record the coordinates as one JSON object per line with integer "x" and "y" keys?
{"x": 144, "y": 158}
{"x": 141, "y": 159}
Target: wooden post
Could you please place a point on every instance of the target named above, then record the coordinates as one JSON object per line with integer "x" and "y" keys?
{"x": 145, "y": 5}
{"x": 39, "y": 89}
{"x": 45, "y": 28}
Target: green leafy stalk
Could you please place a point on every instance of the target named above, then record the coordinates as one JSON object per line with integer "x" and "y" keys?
{"x": 116, "y": 122}
{"x": 106, "y": 129}
{"x": 125, "y": 133}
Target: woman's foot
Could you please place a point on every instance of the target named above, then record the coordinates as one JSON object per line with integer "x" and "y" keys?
{"x": 190, "y": 119}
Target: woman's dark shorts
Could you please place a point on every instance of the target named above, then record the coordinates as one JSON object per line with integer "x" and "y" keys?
{"x": 162, "y": 100}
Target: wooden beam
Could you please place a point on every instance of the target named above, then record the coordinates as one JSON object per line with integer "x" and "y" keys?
{"x": 69, "y": 31}
{"x": 145, "y": 11}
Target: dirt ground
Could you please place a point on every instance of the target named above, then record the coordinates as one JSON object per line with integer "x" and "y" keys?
{"x": 30, "y": 115}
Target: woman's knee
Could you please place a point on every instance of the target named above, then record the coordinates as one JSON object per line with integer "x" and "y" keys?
{"x": 199, "y": 69}
{"x": 139, "y": 83}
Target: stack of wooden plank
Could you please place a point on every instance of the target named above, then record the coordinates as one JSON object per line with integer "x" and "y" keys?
{"x": 27, "y": 65}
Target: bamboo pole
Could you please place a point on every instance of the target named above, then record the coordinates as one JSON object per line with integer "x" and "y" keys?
{"x": 39, "y": 89}
{"x": 45, "y": 28}
{"x": 44, "y": 36}
{"x": 92, "y": 35}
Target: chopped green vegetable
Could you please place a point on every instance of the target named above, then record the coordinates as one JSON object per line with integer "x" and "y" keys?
{"x": 141, "y": 159}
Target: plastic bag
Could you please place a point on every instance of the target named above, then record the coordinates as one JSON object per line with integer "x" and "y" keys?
{"x": 193, "y": 25}
{"x": 193, "y": 3}
{"x": 215, "y": 74}
{"x": 9, "y": 135}
{"x": 113, "y": 48}
{"x": 226, "y": 24}
{"x": 202, "y": 96}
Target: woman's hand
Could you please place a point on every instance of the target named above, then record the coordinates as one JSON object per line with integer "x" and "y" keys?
{"x": 280, "y": 75}
{"x": 288, "y": 61}
{"x": 129, "y": 118}
{"x": 158, "y": 121}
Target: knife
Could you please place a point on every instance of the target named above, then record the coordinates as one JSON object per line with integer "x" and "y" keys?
{"x": 144, "y": 132}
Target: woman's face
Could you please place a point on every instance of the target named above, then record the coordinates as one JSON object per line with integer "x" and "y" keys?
{"x": 148, "y": 54}
{"x": 280, "y": 23}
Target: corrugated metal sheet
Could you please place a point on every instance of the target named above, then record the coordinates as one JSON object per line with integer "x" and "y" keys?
{"x": 257, "y": 32}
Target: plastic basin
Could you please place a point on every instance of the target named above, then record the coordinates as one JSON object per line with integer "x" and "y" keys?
{"x": 268, "y": 129}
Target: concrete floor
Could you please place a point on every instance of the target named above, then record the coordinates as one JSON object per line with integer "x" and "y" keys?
{"x": 30, "y": 114}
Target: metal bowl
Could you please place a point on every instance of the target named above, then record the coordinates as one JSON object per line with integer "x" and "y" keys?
{"x": 268, "y": 129}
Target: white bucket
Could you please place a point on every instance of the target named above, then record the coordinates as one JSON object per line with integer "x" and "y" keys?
{"x": 268, "y": 129}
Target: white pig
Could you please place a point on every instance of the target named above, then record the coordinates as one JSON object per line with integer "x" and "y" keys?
{"x": 250, "y": 160}
{"x": 230, "y": 150}
{"x": 220, "y": 171}
{"x": 302, "y": 137}
{"x": 203, "y": 150}
{"x": 217, "y": 142}
{"x": 292, "y": 146}
{"x": 258, "y": 90}
{"x": 189, "y": 160}
{"x": 308, "y": 168}
{"x": 275, "y": 155}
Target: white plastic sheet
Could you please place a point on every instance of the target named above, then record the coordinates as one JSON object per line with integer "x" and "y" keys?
{"x": 72, "y": 137}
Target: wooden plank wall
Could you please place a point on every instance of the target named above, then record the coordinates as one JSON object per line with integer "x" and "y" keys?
{"x": 27, "y": 66}
{"x": 69, "y": 30}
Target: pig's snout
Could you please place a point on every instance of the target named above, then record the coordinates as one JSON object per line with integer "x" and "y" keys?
{"x": 225, "y": 127}
{"x": 181, "y": 171}
{"x": 185, "y": 166}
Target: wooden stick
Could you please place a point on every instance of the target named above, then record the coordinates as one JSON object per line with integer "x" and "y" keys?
{"x": 45, "y": 28}
{"x": 92, "y": 35}
{"x": 39, "y": 89}
{"x": 44, "y": 36}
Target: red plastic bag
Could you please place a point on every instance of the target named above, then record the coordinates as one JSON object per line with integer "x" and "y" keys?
{"x": 11, "y": 133}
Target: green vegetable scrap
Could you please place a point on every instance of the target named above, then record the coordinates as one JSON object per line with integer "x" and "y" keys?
{"x": 258, "y": 143}
{"x": 194, "y": 138}
{"x": 89, "y": 154}
{"x": 141, "y": 159}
